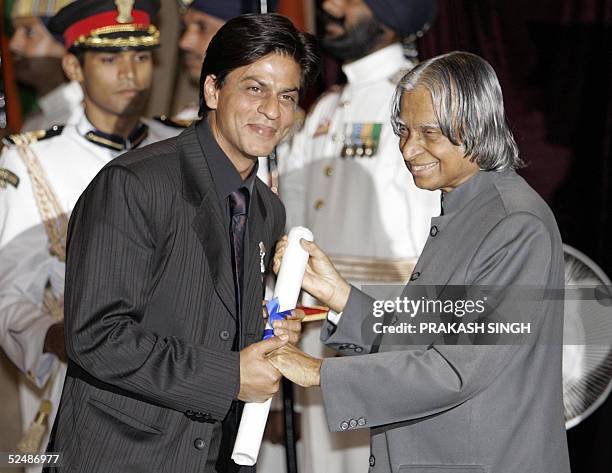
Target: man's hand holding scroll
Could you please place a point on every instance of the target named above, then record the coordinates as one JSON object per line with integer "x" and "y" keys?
{"x": 321, "y": 279}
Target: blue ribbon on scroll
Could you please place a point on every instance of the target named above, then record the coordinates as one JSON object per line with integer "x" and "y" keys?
{"x": 274, "y": 314}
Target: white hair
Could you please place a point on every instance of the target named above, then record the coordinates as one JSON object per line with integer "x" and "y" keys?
{"x": 469, "y": 106}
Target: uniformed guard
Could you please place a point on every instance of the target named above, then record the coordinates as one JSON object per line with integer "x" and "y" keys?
{"x": 201, "y": 20}
{"x": 37, "y": 56}
{"x": 42, "y": 174}
{"x": 344, "y": 178}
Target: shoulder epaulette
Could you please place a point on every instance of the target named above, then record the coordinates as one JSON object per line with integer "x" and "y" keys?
{"x": 30, "y": 137}
{"x": 8, "y": 177}
{"x": 173, "y": 122}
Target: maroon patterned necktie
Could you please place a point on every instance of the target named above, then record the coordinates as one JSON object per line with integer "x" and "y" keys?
{"x": 239, "y": 201}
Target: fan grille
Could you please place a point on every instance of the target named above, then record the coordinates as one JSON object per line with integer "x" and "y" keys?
{"x": 587, "y": 348}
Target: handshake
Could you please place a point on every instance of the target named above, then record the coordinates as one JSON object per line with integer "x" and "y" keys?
{"x": 263, "y": 364}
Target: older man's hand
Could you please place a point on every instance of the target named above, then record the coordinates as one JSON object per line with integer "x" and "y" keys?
{"x": 291, "y": 326}
{"x": 296, "y": 365}
{"x": 321, "y": 279}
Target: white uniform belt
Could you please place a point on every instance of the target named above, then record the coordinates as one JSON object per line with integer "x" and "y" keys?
{"x": 376, "y": 270}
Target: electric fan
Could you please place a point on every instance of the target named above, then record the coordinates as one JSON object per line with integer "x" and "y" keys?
{"x": 587, "y": 337}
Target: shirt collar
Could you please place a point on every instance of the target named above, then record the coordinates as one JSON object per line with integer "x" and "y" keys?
{"x": 225, "y": 176}
{"x": 107, "y": 140}
{"x": 381, "y": 64}
{"x": 459, "y": 197}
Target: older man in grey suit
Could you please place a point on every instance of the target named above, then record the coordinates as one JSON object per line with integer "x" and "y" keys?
{"x": 441, "y": 407}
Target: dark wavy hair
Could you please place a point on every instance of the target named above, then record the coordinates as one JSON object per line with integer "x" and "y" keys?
{"x": 245, "y": 39}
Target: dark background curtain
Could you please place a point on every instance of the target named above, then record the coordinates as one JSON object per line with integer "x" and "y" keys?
{"x": 554, "y": 61}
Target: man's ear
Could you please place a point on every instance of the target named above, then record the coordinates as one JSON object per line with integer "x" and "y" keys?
{"x": 211, "y": 93}
{"x": 72, "y": 67}
{"x": 388, "y": 36}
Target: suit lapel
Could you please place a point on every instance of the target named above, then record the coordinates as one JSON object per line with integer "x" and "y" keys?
{"x": 208, "y": 223}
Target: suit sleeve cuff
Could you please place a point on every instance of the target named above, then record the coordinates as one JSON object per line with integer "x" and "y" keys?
{"x": 347, "y": 336}
{"x": 219, "y": 383}
{"x": 333, "y": 317}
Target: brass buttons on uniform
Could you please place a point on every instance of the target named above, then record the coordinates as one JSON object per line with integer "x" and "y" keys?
{"x": 319, "y": 204}
{"x": 329, "y": 171}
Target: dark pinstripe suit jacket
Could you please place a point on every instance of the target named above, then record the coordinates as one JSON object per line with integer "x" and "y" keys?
{"x": 150, "y": 313}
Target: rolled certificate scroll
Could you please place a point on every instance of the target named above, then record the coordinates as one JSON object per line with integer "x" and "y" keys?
{"x": 286, "y": 293}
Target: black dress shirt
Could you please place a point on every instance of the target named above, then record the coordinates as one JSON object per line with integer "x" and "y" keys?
{"x": 225, "y": 176}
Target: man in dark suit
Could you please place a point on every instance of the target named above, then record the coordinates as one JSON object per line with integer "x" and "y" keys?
{"x": 166, "y": 254}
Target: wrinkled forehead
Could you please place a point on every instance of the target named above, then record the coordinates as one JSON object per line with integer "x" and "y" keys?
{"x": 416, "y": 107}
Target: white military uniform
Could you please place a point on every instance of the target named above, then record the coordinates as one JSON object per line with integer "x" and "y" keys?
{"x": 344, "y": 178}
{"x": 66, "y": 161}
{"x": 56, "y": 107}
